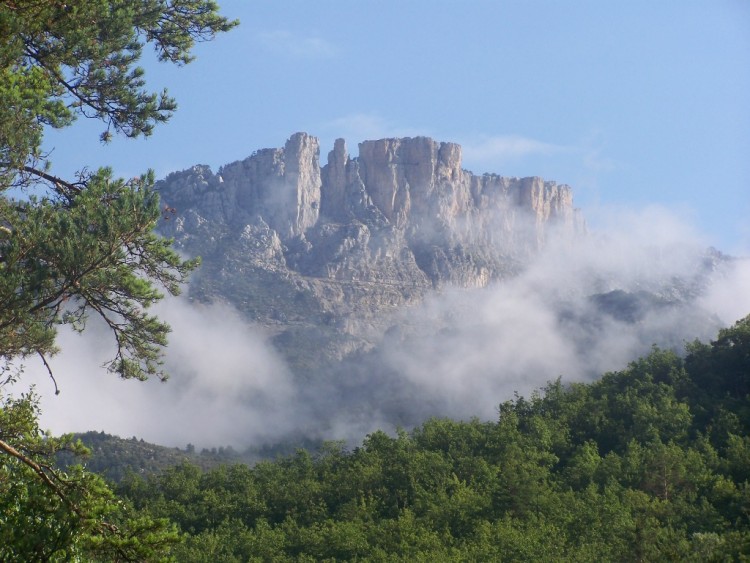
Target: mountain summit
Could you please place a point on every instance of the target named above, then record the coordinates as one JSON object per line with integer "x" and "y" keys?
{"x": 359, "y": 235}
{"x": 328, "y": 258}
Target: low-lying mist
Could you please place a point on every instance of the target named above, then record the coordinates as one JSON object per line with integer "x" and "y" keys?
{"x": 578, "y": 310}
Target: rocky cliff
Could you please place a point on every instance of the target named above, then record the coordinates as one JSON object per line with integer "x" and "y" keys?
{"x": 398, "y": 285}
{"x": 298, "y": 245}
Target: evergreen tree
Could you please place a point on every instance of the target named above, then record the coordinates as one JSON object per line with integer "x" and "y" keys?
{"x": 70, "y": 247}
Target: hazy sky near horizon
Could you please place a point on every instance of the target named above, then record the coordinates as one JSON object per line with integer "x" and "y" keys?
{"x": 632, "y": 103}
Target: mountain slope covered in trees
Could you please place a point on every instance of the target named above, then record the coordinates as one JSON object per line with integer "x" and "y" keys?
{"x": 651, "y": 463}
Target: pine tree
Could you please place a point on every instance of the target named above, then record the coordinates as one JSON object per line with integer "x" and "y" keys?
{"x": 73, "y": 247}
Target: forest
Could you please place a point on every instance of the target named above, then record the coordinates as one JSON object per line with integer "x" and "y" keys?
{"x": 651, "y": 463}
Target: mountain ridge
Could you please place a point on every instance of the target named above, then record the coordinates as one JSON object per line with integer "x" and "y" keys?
{"x": 403, "y": 216}
{"x": 326, "y": 258}
{"x": 396, "y": 286}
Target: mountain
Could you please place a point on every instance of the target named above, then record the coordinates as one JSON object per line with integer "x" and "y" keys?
{"x": 296, "y": 246}
{"x": 397, "y": 285}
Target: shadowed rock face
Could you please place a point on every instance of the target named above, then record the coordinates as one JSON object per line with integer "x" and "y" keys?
{"x": 294, "y": 244}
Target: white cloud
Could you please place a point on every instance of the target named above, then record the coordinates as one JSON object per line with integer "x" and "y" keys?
{"x": 297, "y": 46}
{"x": 474, "y": 349}
{"x": 227, "y": 385}
{"x": 503, "y": 148}
{"x": 729, "y": 293}
{"x": 357, "y": 127}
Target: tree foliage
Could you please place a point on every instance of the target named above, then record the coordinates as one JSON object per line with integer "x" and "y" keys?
{"x": 86, "y": 244}
{"x": 638, "y": 466}
{"x": 51, "y": 515}
{"x": 70, "y": 247}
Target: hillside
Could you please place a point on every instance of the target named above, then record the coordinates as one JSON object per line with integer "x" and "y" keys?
{"x": 115, "y": 458}
{"x": 649, "y": 463}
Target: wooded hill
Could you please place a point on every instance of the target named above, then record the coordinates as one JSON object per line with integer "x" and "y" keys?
{"x": 651, "y": 463}
{"x": 114, "y": 457}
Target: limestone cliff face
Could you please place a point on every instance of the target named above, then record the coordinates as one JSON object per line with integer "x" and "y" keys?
{"x": 280, "y": 185}
{"x": 361, "y": 235}
{"x": 418, "y": 182}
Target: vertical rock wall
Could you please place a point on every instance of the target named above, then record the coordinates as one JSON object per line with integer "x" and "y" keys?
{"x": 403, "y": 210}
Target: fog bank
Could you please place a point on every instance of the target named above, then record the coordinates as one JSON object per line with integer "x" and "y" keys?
{"x": 576, "y": 311}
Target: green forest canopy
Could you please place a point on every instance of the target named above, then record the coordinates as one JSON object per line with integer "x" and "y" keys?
{"x": 651, "y": 463}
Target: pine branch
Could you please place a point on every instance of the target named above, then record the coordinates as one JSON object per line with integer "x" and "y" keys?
{"x": 40, "y": 471}
{"x": 60, "y": 186}
{"x": 49, "y": 370}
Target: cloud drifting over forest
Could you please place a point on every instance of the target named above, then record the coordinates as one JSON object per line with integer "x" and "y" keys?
{"x": 459, "y": 354}
{"x": 227, "y": 385}
{"x": 517, "y": 335}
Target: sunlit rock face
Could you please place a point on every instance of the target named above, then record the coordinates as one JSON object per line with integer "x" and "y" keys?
{"x": 406, "y": 201}
{"x": 342, "y": 245}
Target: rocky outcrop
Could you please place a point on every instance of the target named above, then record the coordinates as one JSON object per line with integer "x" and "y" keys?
{"x": 415, "y": 185}
{"x": 361, "y": 235}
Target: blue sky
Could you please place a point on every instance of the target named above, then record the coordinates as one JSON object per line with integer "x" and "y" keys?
{"x": 633, "y": 103}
